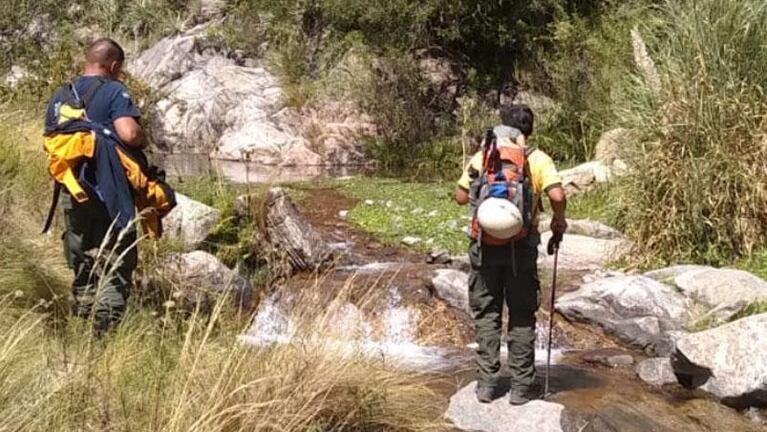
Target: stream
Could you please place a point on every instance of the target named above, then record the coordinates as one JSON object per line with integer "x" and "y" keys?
{"x": 388, "y": 311}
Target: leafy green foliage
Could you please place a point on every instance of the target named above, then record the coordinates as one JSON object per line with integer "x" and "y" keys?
{"x": 392, "y": 210}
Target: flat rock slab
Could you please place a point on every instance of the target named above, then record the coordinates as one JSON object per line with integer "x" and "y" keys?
{"x": 729, "y": 361}
{"x": 636, "y": 309}
{"x": 499, "y": 416}
{"x": 579, "y": 252}
{"x": 726, "y": 291}
{"x": 668, "y": 274}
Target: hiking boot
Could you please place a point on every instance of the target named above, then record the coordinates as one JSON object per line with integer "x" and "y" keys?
{"x": 485, "y": 394}
{"x": 518, "y": 397}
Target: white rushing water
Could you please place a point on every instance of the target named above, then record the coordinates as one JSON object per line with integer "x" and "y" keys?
{"x": 354, "y": 334}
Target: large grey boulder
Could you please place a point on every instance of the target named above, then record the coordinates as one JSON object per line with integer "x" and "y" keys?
{"x": 469, "y": 415}
{"x": 579, "y": 252}
{"x": 725, "y": 291}
{"x": 656, "y": 371}
{"x": 729, "y": 361}
{"x": 190, "y": 222}
{"x": 231, "y": 109}
{"x": 668, "y": 274}
{"x": 290, "y": 233}
{"x": 198, "y": 278}
{"x": 452, "y": 286}
{"x": 636, "y": 309}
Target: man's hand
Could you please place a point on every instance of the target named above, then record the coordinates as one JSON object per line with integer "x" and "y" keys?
{"x": 558, "y": 228}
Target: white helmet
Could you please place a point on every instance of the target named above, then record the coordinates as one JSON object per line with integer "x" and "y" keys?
{"x": 499, "y": 218}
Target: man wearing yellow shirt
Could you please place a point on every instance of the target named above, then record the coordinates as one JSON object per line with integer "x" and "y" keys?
{"x": 509, "y": 272}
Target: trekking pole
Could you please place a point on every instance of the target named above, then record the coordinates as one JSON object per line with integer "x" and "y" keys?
{"x": 551, "y": 321}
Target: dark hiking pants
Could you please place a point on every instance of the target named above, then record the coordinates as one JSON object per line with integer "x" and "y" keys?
{"x": 103, "y": 279}
{"x": 504, "y": 275}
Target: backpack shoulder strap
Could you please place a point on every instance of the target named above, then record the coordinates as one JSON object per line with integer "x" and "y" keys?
{"x": 90, "y": 92}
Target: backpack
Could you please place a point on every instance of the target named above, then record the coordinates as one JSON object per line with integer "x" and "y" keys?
{"x": 505, "y": 174}
{"x": 67, "y": 150}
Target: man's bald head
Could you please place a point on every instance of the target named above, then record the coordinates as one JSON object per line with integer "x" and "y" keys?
{"x": 107, "y": 55}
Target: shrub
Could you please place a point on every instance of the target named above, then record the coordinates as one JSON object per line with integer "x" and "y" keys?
{"x": 697, "y": 187}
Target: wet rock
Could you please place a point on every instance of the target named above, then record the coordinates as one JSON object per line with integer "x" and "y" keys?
{"x": 583, "y": 253}
{"x": 288, "y": 231}
{"x": 725, "y": 291}
{"x": 656, "y": 371}
{"x": 636, "y": 309}
{"x": 469, "y": 415}
{"x": 199, "y": 277}
{"x": 190, "y": 222}
{"x": 585, "y": 227}
{"x": 452, "y": 286}
{"x": 611, "y": 361}
{"x": 729, "y": 361}
{"x": 439, "y": 257}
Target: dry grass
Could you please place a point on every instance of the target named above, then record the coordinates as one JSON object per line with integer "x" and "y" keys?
{"x": 698, "y": 189}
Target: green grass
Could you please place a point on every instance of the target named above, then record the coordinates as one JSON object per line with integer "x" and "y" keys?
{"x": 598, "y": 205}
{"x": 395, "y": 209}
{"x": 756, "y": 263}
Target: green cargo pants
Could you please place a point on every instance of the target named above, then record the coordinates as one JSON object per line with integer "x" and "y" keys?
{"x": 510, "y": 275}
{"x": 103, "y": 280}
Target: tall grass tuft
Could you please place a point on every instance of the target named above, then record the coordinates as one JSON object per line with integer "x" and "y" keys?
{"x": 698, "y": 189}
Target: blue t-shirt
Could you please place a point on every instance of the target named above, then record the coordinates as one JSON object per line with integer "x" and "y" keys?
{"x": 110, "y": 102}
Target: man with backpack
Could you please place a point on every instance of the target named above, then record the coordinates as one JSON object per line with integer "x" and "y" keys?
{"x": 99, "y": 241}
{"x": 504, "y": 183}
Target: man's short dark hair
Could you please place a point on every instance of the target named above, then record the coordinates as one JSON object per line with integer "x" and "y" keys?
{"x": 104, "y": 51}
{"x": 518, "y": 116}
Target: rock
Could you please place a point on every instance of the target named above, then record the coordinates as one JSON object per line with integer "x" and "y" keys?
{"x": 636, "y": 309}
{"x": 443, "y": 73}
{"x": 583, "y": 253}
{"x": 610, "y": 360}
{"x": 585, "y": 227}
{"x": 214, "y": 105}
{"x": 656, "y": 371}
{"x": 584, "y": 177}
{"x": 199, "y": 277}
{"x": 469, "y": 415}
{"x": 452, "y": 286}
{"x": 668, "y": 274}
{"x": 726, "y": 291}
{"x": 612, "y": 146}
{"x": 461, "y": 262}
{"x": 288, "y": 231}
{"x": 211, "y": 9}
{"x": 15, "y": 76}
{"x": 540, "y": 104}
{"x": 190, "y": 222}
{"x": 343, "y": 214}
{"x": 729, "y": 361}
{"x": 439, "y": 257}
{"x": 411, "y": 240}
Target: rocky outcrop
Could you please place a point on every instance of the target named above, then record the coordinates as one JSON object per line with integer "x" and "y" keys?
{"x": 656, "y": 371}
{"x": 231, "y": 108}
{"x": 610, "y": 161}
{"x": 190, "y": 222}
{"x": 729, "y": 361}
{"x": 288, "y": 232}
{"x": 637, "y": 310}
{"x": 579, "y": 252}
{"x": 469, "y": 415}
{"x": 452, "y": 286}
{"x": 725, "y": 292}
{"x": 199, "y": 278}
{"x": 443, "y": 73}
{"x": 585, "y": 177}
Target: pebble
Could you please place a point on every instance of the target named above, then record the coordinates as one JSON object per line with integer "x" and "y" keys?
{"x": 343, "y": 214}
{"x": 411, "y": 240}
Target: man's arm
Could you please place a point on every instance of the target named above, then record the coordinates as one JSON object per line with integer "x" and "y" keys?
{"x": 558, "y": 200}
{"x": 129, "y": 131}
